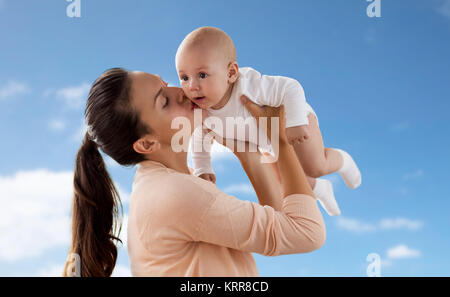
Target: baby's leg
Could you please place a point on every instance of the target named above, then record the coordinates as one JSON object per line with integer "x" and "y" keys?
{"x": 319, "y": 161}
{"x": 315, "y": 158}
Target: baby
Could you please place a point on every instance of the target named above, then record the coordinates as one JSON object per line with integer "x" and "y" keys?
{"x": 210, "y": 76}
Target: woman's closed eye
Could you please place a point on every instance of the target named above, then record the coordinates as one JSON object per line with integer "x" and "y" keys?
{"x": 167, "y": 102}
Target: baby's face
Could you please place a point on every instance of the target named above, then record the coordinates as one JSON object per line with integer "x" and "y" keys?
{"x": 203, "y": 75}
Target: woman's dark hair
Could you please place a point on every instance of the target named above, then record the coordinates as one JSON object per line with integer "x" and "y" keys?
{"x": 113, "y": 126}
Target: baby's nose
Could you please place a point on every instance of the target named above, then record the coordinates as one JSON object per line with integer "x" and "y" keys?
{"x": 193, "y": 85}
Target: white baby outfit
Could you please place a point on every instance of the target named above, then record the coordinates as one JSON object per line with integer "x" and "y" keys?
{"x": 261, "y": 89}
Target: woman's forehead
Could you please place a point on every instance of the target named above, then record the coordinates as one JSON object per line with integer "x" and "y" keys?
{"x": 145, "y": 83}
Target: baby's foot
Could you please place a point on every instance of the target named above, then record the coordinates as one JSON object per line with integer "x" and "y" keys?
{"x": 323, "y": 190}
{"x": 349, "y": 171}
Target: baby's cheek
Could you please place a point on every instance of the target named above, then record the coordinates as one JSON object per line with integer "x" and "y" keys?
{"x": 185, "y": 89}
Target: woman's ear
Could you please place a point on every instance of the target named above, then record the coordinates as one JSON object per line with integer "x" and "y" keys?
{"x": 233, "y": 72}
{"x": 146, "y": 145}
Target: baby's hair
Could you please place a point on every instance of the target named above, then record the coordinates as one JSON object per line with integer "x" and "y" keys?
{"x": 212, "y": 38}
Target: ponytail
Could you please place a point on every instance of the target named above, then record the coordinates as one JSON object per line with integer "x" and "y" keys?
{"x": 95, "y": 217}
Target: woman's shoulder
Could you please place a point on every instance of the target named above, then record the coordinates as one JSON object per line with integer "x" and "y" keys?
{"x": 168, "y": 185}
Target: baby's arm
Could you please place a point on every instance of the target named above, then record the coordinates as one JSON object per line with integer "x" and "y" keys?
{"x": 201, "y": 156}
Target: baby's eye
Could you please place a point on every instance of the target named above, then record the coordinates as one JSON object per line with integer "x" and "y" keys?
{"x": 184, "y": 77}
{"x": 203, "y": 75}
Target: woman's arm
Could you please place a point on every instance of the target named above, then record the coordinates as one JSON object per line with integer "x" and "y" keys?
{"x": 293, "y": 177}
{"x": 195, "y": 210}
{"x": 263, "y": 178}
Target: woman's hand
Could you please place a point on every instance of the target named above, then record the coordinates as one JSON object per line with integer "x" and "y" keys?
{"x": 241, "y": 149}
{"x": 263, "y": 176}
{"x": 291, "y": 172}
{"x": 270, "y": 113}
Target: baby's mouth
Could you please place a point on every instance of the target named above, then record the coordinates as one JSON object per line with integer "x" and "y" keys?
{"x": 199, "y": 98}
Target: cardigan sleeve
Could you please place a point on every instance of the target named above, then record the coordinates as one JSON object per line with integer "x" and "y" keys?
{"x": 206, "y": 214}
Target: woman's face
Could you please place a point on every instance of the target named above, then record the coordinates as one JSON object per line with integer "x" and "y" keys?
{"x": 159, "y": 104}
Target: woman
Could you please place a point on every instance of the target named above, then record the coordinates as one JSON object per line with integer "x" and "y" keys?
{"x": 179, "y": 224}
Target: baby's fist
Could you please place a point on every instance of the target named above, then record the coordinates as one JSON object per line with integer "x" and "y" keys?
{"x": 209, "y": 177}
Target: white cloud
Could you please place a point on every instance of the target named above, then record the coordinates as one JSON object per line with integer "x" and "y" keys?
{"x": 35, "y": 212}
{"x": 444, "y": 9}
{"x": 48, "y": 92}
{"x": 400, "y": 223}
{"x": 51, "y": 271}
{"x": 413, "y": 175}
{"x": 13, "y": 88}
{"x": 57, "y": 125}
{"x": 358, "y": 226}
{"x": 240, "y": 188}
{"x": 402, "y": 252}
{"x": 354, "y": 225}
{"x": 74, "y": 96}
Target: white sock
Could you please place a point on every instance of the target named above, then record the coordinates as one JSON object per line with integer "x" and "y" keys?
{"x": 349, "y": 171}
{"x": 323, "y": 190}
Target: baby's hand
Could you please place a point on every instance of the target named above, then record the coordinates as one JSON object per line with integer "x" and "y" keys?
{"x": 209, "y": 177}
{"x": 298, "y": 134}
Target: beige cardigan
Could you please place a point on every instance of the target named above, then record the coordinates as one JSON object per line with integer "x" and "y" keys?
{"x": 182, "y": 225}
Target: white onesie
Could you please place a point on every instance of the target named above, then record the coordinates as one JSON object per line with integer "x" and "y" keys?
{"x": 261, "y": 89}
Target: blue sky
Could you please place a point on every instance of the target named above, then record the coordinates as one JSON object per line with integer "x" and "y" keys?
{"x": 380, "y": 87}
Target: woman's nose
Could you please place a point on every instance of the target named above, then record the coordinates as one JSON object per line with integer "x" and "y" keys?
{"x": 176, "y": 93}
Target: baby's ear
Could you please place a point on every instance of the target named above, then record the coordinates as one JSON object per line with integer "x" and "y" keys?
{"x": 233, "y": 72}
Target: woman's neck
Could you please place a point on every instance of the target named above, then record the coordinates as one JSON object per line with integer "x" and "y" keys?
{"x": 174, "y": 160}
